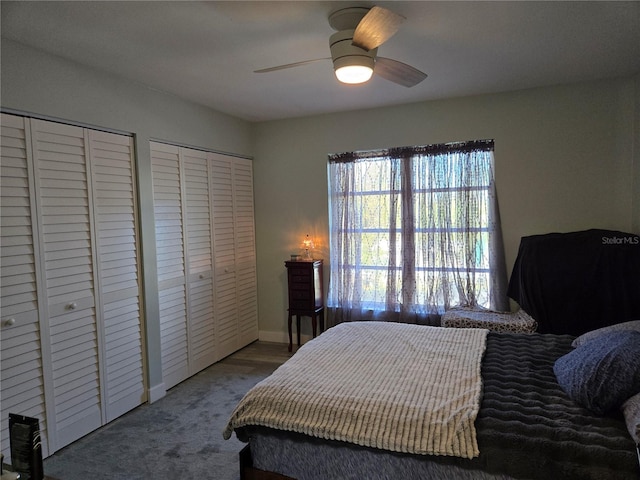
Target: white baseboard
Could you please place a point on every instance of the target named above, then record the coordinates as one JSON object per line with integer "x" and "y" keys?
{"x": 156, "y": 392}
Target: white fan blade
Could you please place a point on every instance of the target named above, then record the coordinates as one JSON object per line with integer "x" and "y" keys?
{"x": 377, "y": 26}
{"x": 398, "y": 72}
{"x": 290, "y": 65}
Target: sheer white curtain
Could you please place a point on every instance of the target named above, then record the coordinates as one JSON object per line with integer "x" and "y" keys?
{"x": 414, "y": 231}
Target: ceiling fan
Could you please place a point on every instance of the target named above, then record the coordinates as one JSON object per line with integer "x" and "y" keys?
{"x": 354, "y": 47}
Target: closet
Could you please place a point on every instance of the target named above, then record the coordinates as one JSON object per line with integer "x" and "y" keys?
{"x": 205, "y": 248}
{"x": 235, "y": 254}
{"x": 72, "y": 344}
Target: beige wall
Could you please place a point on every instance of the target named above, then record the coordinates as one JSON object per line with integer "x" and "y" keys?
{"x": 563, "y": 163}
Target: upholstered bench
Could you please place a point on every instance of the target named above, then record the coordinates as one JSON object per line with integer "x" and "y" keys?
{"x": 467, "y": 317}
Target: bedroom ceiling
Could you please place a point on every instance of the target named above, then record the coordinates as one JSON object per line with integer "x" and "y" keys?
{"x": 206, "y": 52}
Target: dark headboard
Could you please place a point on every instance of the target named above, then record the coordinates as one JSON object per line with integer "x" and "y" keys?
{"x": 576, "y": 282}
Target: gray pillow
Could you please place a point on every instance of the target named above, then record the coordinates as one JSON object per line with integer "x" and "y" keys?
{"x": 585, "y": 337}
{"x": 603, "y": 373}
{"x": 631, "y": 411}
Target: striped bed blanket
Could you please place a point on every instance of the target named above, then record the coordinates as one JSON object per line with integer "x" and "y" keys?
{"x": 403, "y": 388}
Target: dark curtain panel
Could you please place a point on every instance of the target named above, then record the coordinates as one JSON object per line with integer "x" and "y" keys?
{"x": 579, "y": 281}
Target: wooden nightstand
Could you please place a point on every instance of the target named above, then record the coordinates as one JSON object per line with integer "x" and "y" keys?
{"x": 306, "y": 297}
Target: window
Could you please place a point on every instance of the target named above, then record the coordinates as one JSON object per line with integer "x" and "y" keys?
{"x": 413, "y": 231}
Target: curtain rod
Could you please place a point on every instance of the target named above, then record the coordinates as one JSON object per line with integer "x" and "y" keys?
{"x": 470, "y": 146}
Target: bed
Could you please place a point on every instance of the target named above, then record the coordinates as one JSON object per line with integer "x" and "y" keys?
{"x": 332, "y": 412}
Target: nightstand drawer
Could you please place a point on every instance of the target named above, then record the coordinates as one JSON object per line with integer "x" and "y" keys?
{"x": 300, "y": 272}
{"x": 300, "y": 279}
{"x": 305, "y": 294}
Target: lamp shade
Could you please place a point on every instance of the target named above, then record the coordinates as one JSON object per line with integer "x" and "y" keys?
{"x": 351, "y": 64}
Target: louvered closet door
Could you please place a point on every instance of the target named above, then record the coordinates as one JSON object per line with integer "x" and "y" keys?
{"x": 226, "y": 295}
{"x": 234, "y": 253}
{"x": 170, "y": 251}
{"x": 246, "y": 274}
{"x": 73, "y": 355}
{"x": 117, "y": 253}
{"x": 199, "y": 252}
{"x": 66, "y": 247}
{"x": 21, "y": 376}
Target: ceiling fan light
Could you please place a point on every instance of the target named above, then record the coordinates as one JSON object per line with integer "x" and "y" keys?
{"x": 352, "y": 64}
{"x": 354, "y": 74}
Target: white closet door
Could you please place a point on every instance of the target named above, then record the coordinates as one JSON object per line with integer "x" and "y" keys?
{"x": 170, "y": 253}
{"x": 236, "y": 303}
{"x": 246, "y": 274}
{"x": 205, "y": 242}
{"x": 199, "y": 259}
{"x": 117, "y": 254}
{"x": 72, "y": 351}
{"x": 225, "y": 289}
{"x": 66, "y": 249}
{"x": 22, "y": 382}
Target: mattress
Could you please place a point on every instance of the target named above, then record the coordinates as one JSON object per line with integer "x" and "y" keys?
{"x": 527, "y": 428}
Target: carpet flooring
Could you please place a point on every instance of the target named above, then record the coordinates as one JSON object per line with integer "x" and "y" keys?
{"x": 180, "y": 435}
